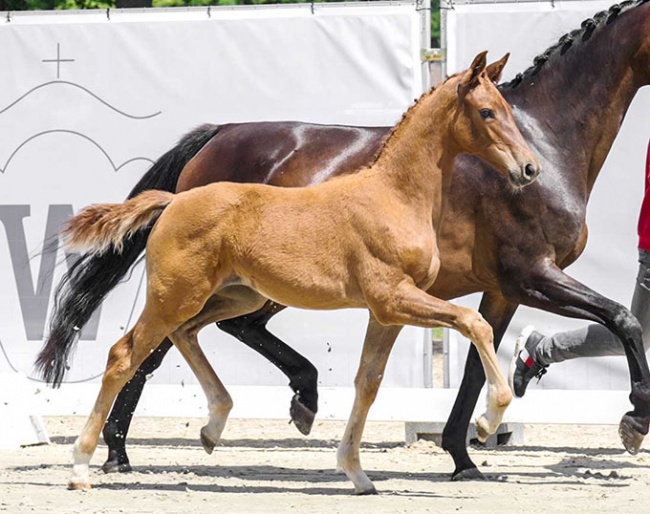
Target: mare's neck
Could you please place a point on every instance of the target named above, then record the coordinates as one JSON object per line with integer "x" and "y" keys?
{"x": 417, "y": 159}
{"x": 576, "y": 103}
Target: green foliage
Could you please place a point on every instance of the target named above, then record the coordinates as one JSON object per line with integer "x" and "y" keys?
{"x": 84, "y": 4}
{"x": 435, "y": 23}
{"x": 45, "y": 5}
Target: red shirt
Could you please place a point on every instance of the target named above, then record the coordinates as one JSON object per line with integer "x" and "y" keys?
{"x": 644, "y": 217}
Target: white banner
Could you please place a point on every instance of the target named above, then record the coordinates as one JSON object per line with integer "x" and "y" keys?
{"x": 89, "y": 101}
{"x": 608, "y": 264}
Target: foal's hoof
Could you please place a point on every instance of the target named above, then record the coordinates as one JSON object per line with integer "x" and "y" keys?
{"x": 467, "y": 474}
{"x": 78, "y": 486}
{"x": 630, "y": 434}
{"x": 301, "y": 416}
{"x": 482, "y": 429}
{"x": 207, "y": 442}
{"x": 366, "y": 492}
{"x": 111, "y": 466}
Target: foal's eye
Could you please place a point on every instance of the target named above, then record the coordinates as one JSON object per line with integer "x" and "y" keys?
{"x": 486, "y": 114}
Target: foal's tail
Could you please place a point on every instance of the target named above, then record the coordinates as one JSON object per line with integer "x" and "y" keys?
{"x": 92, "y": 276}
{"x": 102, "y": 227}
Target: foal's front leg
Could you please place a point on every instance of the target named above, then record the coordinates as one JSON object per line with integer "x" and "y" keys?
{"x": 376, "y": 350}
{"x": 408, "y": 305}
{"x": 498, "y": 312}
{"x": 412, "y": 306}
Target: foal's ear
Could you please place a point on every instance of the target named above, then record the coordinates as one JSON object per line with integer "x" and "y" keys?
{"x": 470, "y": 77}
{"x": 495, "y": 69}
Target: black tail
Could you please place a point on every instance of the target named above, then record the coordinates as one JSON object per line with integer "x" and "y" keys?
{"x": 92, "y": 277}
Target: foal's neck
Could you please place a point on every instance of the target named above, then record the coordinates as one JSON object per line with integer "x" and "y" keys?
{"x": 417, "y": 158}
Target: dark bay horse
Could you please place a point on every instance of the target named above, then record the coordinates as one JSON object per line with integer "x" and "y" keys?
{"x": 219, "y": 251}
{"x": 526, "y": 239}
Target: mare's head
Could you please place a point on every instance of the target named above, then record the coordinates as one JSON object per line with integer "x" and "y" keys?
{"x": 484, "y": 125}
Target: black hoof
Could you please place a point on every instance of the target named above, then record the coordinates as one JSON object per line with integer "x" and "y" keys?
{"x": 631, "y": 434}
{"x": 111, "y": 466}
{"x": 301, "y": 416}
{"x": 468, "y": 474}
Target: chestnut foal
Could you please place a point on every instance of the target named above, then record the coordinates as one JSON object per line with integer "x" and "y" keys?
{"x": 364, "y": 240}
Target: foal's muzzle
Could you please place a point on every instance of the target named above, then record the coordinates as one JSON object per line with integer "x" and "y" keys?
{"x": 525, "y": 175}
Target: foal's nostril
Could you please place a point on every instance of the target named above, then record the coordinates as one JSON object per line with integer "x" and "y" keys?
{"x": 529, "y": 171}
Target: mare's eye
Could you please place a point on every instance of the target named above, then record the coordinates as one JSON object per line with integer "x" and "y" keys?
{"x": 486, "y": 114}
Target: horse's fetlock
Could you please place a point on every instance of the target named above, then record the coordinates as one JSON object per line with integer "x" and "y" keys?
{"x": 111, "y": 433}
{"x": 640, "y": 395}
{"x": 627, "y": 323}
{"x": 226, "y": 404}
{"x": 504, "y": 398}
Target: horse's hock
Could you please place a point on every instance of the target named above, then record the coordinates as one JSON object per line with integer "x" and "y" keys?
{"x": 507, "y": 434}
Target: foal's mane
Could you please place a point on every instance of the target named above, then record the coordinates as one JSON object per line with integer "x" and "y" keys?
{"x": 571, "y": 39}
{"x": 407, "y": 115}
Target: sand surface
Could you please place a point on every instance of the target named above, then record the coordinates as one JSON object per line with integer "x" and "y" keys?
{"x": 267, "y": 466}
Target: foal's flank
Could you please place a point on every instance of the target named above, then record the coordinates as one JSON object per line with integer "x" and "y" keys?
{"x": 364, "y": 240}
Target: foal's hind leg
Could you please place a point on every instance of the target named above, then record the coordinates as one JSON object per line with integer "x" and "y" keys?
{"x": 167, "y": 308}
{"x": 119, "y": 420}
{"x": 234, "y": 301}
{"x": 219, "y": 401}
{"x": 303, "y": 375}
{"x": 123, "y": 360}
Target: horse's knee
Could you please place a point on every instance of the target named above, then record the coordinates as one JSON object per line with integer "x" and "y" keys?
{"x": 478, "y": 330}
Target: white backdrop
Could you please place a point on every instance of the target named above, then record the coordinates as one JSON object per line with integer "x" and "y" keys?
{"x": 87, "y": 103}
{"x": 608, "y": 264}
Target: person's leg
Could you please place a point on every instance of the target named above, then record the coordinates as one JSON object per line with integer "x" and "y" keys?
{"x": 534, "y": 352}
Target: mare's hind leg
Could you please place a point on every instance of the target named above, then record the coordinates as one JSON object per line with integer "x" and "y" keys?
{"x": 233, "y": 301}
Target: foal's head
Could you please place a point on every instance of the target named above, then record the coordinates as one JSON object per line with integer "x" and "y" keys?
{"x": 484, "y": 125}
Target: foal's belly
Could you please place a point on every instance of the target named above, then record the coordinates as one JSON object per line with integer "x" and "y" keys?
{"x": 304, "y": 290}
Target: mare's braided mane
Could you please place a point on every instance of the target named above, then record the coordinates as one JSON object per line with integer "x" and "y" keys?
{"x": 573, "y": 38}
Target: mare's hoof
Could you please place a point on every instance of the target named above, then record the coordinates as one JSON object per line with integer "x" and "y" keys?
{"x": 468, "y": 474}
{"x": 78, "y": 486}
{"x": 630, "y": 433}
{"x": 207, "y": 442}
{"x": 111, "y": 466}
{"x": 301, "y": 416}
